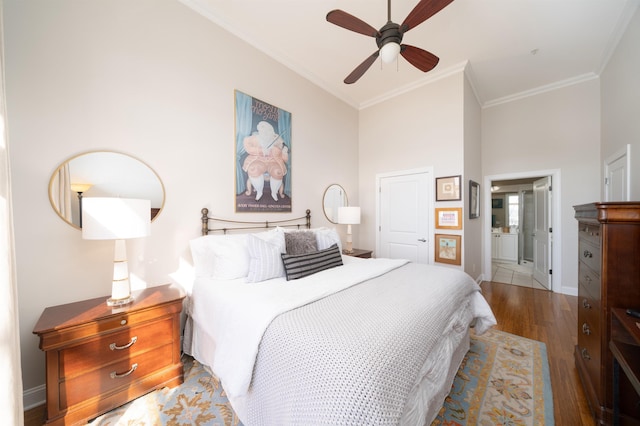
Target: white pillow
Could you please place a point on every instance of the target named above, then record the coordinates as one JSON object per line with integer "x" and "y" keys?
{"x": 327, "y": 237}
{"x": 273, "y": 236}
{"x": 265, "y": 261}
{"x": 223, "y": 257}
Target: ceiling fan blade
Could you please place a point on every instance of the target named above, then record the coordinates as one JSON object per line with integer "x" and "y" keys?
{"x": 362, "y": 68}
{"x": 350, "y": 22}
{"x": 421, "y": 59}
{"x": 424, "y": 10}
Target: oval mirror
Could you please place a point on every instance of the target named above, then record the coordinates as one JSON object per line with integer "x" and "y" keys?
{"x": 334, "y": 197}
{"x": 102, "y": 174}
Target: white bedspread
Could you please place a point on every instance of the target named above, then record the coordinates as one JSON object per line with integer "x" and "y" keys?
{"x": 237, "y": 332}
{"x": 434, "y": 306}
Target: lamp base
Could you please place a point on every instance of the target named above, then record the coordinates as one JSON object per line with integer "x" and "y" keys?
{"x": 345, "y": 251}
{"x": 119, "y": 302}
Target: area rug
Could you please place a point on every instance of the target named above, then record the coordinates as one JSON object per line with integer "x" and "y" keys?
{"x": 503, "y": 380}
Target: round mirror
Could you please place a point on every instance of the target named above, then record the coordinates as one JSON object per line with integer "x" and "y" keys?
{"x": 102, "y": 174}
{"x": 334, "y": 197}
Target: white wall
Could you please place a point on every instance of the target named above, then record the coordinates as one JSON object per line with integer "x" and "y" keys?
{"x": 153, "y": 79}
{"x": 472, "y": 171}
{"x": 557, "y": 130}
{"x": 621, "y": 102}
{"x": 415, "y": 130}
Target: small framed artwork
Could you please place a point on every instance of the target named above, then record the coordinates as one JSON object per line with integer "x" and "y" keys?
{"x": 474, "y": 200}
{"x": 448, "y": 249}
{"x": 496, "y": 203}
{"x": 449, "y": 218}
{"x": 448, "y": 188}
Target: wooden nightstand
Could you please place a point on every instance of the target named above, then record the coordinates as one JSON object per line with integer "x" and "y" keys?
{"x": 99, "y": 357}
{"x": 365, "y": 254}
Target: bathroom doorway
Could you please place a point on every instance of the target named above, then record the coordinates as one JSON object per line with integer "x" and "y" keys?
{"x": 513, "y": 231}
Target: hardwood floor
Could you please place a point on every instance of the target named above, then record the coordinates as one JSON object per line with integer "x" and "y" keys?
{"x": 551, "y": 318}
{"x": 541, "y": 315}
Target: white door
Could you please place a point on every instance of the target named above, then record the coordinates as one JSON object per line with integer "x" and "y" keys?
{"x": 542, "y": 231}
{"x": 616, "y": 183}
{"x": 403, "y": 219}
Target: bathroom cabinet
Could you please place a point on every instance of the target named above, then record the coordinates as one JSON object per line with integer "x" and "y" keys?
{"x": 504, "y": 246}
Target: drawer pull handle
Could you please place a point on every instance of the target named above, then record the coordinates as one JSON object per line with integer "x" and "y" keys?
{"x": 587, "y": 278}
{"x": 115, "y": 375}
{"x": 585, "y": 354}
{"x": 585, "y": 304}
{"x": 585, "y": 329}
{"x": 587, "y": 253}
{"x": 115, "y": 347}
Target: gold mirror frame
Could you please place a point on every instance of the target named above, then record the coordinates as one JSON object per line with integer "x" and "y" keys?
{"x": 102, "y": 174}
{"x": 334, "y": 197}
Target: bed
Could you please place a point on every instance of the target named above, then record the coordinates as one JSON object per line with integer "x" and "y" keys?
{"x": 300, "y": 334}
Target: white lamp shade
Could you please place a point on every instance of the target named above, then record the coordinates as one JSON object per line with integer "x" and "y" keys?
{"x": 349, "y": 215}
{"x": 115, "y": 218}
{"x": 389, "y": 52}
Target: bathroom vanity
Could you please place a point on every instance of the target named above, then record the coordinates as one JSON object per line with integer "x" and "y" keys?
{"x": 504, "y": 245}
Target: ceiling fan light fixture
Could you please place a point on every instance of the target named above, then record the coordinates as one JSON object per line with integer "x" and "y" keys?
{"x": 389, "y": 52}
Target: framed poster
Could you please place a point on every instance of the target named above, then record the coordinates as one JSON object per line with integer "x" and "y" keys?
{"x": 448, "y": 188}
{"x": 474, "y": 200}
{"x": 263, "y": 156}
{"x": 449, "y": 218}
{"x": 448, "y": 249}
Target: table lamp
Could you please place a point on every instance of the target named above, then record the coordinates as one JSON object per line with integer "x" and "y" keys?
{"x": 349, "y": 216}
{"x": 116, "y": 219}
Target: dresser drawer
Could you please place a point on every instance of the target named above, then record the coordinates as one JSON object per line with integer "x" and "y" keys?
{"x": 588, "y": 281}
{"x": 113, "y": 376}
{"x": 590, "y": 233}
{"x": 589, "y": 326}
{"x": 111, "y": 347}
{"x": 589, "y": 352}
{"x": 590, "y": 255}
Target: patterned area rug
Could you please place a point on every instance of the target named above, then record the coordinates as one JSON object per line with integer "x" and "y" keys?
{"x": 503, "y": 380}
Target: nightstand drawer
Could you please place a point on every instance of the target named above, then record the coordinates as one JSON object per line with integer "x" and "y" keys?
{"x": 118, "y": 321}
{"x": 113, "y": 376}
{"x": 112, "y": 347}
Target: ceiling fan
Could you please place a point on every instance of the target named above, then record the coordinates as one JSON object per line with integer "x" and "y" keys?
{"x": 389, "y": 37}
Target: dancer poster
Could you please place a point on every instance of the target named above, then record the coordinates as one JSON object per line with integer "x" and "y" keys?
{"x": 263, "y": 156}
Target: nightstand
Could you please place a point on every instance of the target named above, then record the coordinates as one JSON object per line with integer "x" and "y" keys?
{"x": 365, "y": 254}
{"x": 100, "y": 357}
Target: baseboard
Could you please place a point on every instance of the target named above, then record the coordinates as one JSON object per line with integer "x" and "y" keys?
{"x": 570, "y": 291}
{"x": 34, "y": 397}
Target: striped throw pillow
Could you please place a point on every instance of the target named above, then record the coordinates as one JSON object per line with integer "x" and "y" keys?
{"x": 301, "y": 265}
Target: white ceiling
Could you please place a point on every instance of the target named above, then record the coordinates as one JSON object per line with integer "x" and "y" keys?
{"x": 493, "y": 40}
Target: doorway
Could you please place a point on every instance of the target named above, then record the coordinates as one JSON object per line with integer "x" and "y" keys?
{"x": 516, "y": 250}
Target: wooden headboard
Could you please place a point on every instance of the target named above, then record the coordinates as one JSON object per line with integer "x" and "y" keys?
{"x": 240, "y": 225}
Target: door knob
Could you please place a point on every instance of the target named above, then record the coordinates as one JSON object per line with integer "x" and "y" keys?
{"x": 422, "y": 240}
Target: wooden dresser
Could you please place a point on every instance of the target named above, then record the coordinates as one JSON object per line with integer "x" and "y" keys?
{"x": 100, "y": 357}
{"x": 608, "y": 277}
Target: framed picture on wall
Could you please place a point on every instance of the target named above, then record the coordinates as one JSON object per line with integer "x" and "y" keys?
{"x": 448, "y": 188}
{"x": 448, "y": 249}
{"x": 449, "y": 218}
{"x": 474, "y": 200}
{"x": 263, "y": 156}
